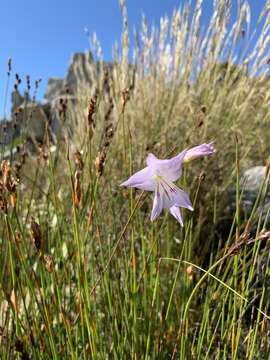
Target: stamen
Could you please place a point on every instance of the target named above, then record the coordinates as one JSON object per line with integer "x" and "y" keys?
{"x": 165, "y": 190}
{"x": 158, "y": 192}
{"x": 172, "y": 189}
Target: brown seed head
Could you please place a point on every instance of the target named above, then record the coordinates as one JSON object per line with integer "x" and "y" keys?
{"x": 49, "y": 263}
{"x": 100, "y": 162}
{"x": 106, "y": 85}
{"x": 202, "y": 176}
{"x": 91, "y": 110}
{"x": 7, "y": 178}
{"x": 63, "y": 109}
{"x": 78, "y": 160}
{"x": 244, "y": 239}
{"x": 37, "y": 82}
{"x": 109, "y": 131}
{"x": 18, "y": 81}
{"x": 125, "y": 98}
{"x": 77, "y": 192}
{"x": 35, "y": 233}
{"x": 3, "y": 204}
{"x": 9, "y": 66}
{"x": 109, "y": 111}
{"x": 28, "y": 82}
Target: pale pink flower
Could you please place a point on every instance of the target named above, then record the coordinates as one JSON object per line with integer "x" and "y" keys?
{"x": 159, "y": 175}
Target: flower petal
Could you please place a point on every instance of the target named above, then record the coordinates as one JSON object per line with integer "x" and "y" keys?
{"x": 172, "y": 195}
{"x": 142, "y": 180}
{"x": 199, "y": 151}
{"x": 182, "y": 199}
{"x": 151, "y": 158}
{"x": 171, "y": 169}
{"x": 157, "y": 204}
{"x": 175, "y": 211}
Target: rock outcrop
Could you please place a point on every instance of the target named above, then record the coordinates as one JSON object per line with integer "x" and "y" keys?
{"x": 34, "y": 119}
{"x": 31, "y": 118}
{"x": 54, "y": 88}
{"x": 77, "y": 73}
{"x": 254, "y": 190}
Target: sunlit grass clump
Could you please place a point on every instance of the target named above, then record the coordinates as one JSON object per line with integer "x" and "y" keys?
{"x": 84, "y": 272}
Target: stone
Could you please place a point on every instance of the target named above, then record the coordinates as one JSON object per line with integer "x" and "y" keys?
{"x": 253, "y": 178}
{"x": 6, "y": 132}
{"x": 77, "y": 73}
{"x": 54, "y": 88}
{"x": 252, "y": 182}
{"x": 32, "y": 119}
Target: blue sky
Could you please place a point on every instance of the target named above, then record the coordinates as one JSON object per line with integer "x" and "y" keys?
{"x": 41, "y": 35}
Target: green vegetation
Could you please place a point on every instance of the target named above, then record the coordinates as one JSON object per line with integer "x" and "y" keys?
{"x": 84, "y": 273}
